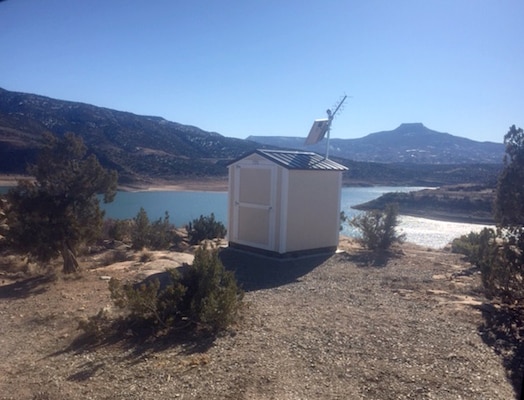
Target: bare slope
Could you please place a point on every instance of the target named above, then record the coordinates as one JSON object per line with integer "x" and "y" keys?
{"x": 137, "y": 146}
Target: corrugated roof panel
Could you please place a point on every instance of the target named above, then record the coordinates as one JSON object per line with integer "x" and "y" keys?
{"x": 301, "y": 160}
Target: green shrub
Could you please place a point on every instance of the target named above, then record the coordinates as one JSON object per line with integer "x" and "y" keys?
{"x": 343, "y": 219}
{"x": 500, "y": 253}
{"x": 212, "y": 292}
{"x": 141, "y": 230}
{"x": 205, "y": 228}
{"x": 502, "y": 265}
{"x": 157, "y": 235}
{"x": 142, "y": 302}
{"x": 117, "y": 229}
{"x": 162, "y": 233}
{"x": 378, "y": 228}
{"x": 205, "y": 297}
{"x": 504, "y": 276}
{"x": 500, "y": 257}
{"x": 469, "y": 246}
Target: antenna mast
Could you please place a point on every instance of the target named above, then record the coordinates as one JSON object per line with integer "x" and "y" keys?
{"x": 322, "y": 126}
{"x": 331, "y": 115}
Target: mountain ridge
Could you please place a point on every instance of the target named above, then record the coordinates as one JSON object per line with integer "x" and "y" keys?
{"x": 135, "y": 145}
{"x": 150, "y": 149}
{"x": 408, "y": 143}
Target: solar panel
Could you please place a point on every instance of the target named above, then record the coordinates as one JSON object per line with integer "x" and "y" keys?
{"x": 318, "y": 131}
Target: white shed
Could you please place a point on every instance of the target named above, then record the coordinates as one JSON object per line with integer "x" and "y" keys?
{"x": 284, "y": 202}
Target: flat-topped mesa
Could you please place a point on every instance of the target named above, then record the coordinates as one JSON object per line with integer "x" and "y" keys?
{"x": 416, "y": 126}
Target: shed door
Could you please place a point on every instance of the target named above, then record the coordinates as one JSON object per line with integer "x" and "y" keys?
{"x": 254, "y": 206}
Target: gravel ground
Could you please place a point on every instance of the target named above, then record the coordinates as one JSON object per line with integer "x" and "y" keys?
{"x": 411, "y": 326}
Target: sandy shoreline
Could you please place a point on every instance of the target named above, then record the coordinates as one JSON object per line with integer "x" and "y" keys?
{"x": 219, "y": 185}
{"x": 201, "y": 185}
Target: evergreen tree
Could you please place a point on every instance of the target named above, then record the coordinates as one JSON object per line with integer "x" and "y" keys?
{"x": 509, "y": 206}
{"x": 52, "y": 214}
{"x": 503, "y": 271}
{"x": 141, "y": 230}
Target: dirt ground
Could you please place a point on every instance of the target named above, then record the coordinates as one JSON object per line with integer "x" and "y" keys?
{"x": 343, "y": 326}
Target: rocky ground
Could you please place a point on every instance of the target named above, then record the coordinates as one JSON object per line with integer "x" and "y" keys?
{"x": 411, "y": 326}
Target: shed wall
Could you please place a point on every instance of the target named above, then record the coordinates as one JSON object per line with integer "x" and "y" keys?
{"x": 313, "y": 209}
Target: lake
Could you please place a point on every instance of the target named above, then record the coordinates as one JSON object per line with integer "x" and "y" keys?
{"x": 185, "y": 206}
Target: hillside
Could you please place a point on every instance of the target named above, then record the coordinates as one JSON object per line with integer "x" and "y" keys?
{"x": 460, "y": 203}
{"x": 409, "y": 143}
{"x": 139, "y": 147}
{"x": 405, "y": 174}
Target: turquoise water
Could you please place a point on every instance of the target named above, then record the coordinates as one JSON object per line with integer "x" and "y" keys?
{"x": 182, "y": 207}
{"x": 186, "y": 206}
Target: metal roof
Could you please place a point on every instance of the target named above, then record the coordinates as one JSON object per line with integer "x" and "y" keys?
{"x": 304, "y": 160}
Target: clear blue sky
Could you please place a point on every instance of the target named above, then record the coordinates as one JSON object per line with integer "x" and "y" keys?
{"x": 265, "y": 67}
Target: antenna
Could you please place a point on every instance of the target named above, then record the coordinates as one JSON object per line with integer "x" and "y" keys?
{"x": 322, "y": 126}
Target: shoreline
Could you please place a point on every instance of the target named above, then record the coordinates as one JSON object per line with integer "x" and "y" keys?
{"x": 182, "y": 185}
{"x": 216, "y": 185}
{"x": 446, "y": 217}
{"x": 437, "y": 215}
{"x": 200, "y": 185}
